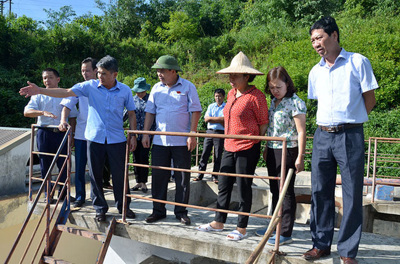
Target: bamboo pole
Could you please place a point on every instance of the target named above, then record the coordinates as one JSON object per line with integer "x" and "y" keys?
{"x": 257, "y": 251}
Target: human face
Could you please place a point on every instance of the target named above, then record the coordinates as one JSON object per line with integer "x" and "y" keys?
{"x": 219, "y": 98}
{"x": 107, "y": 78}
{"x": 278, "y": 88}
{"x": 87, "y": 71}
{"x": 50, "y": 80}
{"x": 326, "y": 46}
{"x": 238, "y": 81}
{"x": 141, "y": 94}
{"x": 167, "y": 77}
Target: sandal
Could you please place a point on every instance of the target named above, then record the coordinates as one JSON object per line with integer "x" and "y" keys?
{"x": 215, "y": 180}
{"x": 208, "y": 228}
{"x": 235, "y": 236}
{"x": 197, "y": 179}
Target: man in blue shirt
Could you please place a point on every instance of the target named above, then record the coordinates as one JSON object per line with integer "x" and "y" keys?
{"x": 104, "y": 129}
{"x": 343, "y": 83}
{"x": 175, "y": 105}
{"x": 215, "y": 125}
{"x": 48, "y": 112}
{"x": 89, "y": 72}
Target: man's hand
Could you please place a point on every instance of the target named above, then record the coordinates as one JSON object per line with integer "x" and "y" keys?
{"x": 191, "y": 143}
{"x": 31, "y": 89}
{"x": 63, "y": 126}
{"x": 48, "y": 114}
{"x": 132, "y": 143}
{"x": 146, "y": 141}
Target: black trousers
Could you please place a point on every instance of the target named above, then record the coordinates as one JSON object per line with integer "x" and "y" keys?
{"x": 97, "y": 154}
{"x": 141, "y": 156}
{"x": 274, "y": 159}
{"x": 162, "y": 156}
{"x": 243, "y": 162}
{"x": 49, "y": 142}
{"x": 208, "y": 144}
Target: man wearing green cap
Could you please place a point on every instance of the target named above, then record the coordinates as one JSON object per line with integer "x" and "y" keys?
{"x": 175, "y": 105}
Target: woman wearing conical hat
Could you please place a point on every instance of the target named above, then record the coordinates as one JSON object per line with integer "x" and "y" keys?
{"x": 245, "y": 113}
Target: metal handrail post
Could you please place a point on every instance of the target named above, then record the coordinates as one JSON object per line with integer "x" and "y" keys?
{"x": 374, "y": 171}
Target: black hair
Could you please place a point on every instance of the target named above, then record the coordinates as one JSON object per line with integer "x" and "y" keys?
{"x": 328, "y": 24}
{"x": 220, "y": 91}
{"x": 51, "y": 70}
{"x": 92, "y": 61}
{"x": 109, "y": 63}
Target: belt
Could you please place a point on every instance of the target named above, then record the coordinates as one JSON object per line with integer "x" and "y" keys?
{"x": 338, "y": 128}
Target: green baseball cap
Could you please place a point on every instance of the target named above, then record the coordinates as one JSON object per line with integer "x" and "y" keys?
{"x": 166, "y": 62}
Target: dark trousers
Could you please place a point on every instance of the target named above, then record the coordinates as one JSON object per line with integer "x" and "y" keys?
{"x": 208, "y": 144}
{"x": 49, "y": 142}
{"x": 141, "y": 156}
{"x": 80, "y": 169}
{"x": 243, "y": 162}
{"x": 97, "y": 154}
{"x": 346, "y": 149}
{"x": 161, "y": 156}
{"x": 274, "y": 159}
{"x": 106, "y": 172}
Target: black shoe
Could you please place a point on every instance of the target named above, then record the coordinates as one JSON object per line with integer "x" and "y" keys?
{"x": 198, "y": 178}
{"x": 129, "y": 213}
{"x": 78, "y": 204}
{"x": 184, "y": 219}
{"x": 134, "y": 189}
{"x": 107, "y": 186}
{"x": 154, "y": 218}
{"x": 101, "y": 217}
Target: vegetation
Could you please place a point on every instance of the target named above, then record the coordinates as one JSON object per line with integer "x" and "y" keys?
{"x": 204, "y": 35}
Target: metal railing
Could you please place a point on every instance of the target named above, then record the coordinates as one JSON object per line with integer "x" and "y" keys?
{"x": 47, "y": 183}
{"x": 282, "y": 178}
{"x": 376, "y": 158}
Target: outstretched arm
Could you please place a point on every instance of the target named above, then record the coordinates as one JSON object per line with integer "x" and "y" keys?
{"x": 33, "y": 89}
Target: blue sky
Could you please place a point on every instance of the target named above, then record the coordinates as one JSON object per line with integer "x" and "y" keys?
{"x": 34, "y": 8}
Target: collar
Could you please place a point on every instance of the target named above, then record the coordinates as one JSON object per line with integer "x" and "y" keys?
{"x": 115, "y": 87}
{"x": 342, "y": 55}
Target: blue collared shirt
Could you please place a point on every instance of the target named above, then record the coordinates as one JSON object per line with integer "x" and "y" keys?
{"x": 214, "y": 110}
{"x": 70, "y": 102}
{"x": 106, "y": 107}
{"x": 50, "y": 104}
{"x": 339, "y": 89}
{"x": 172, "y": 108}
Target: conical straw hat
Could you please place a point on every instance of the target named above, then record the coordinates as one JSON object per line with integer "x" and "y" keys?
{"x": 240, "y": 64}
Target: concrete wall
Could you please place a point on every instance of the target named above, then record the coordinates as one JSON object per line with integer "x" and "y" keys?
{"x": 13, "y": 160}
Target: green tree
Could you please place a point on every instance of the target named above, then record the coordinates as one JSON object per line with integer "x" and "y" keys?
{"x": 179, "y": 27}
{"x": 59, "y": 18}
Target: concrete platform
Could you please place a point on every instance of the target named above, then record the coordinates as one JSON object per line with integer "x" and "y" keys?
{"x": 169, "y": 233}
